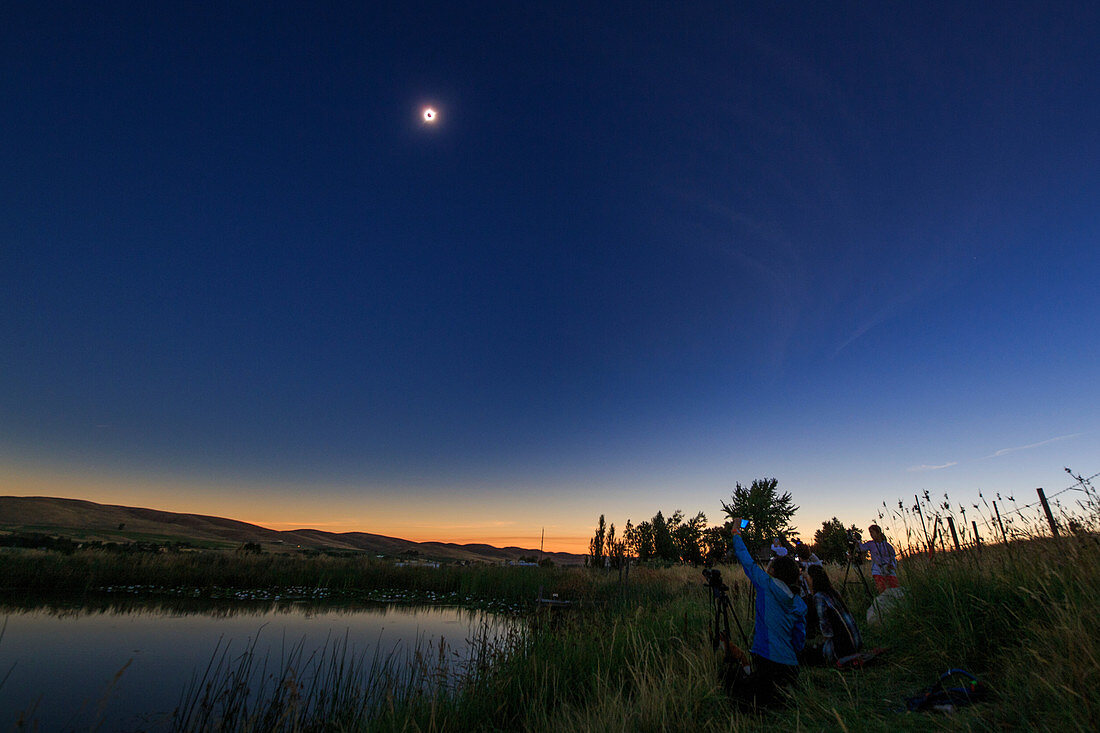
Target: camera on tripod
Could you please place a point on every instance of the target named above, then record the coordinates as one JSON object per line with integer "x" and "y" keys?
{"x": 714, "y": 580}
{"x": 855, "y": 552}
{"x": 734, "y": 659}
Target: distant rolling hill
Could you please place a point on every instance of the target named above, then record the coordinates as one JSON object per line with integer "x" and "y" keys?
{"x": 86, "y": 520}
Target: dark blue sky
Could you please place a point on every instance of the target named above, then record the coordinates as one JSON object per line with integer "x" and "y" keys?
{"x": 646, "y": 250}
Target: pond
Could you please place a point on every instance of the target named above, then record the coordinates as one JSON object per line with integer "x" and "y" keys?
{"x": 127, "y": 667}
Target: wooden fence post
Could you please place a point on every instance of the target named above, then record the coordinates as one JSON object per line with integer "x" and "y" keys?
{"x": 1000, "y": 523}
{"x": 954, "y": 536}
{"x": 1050, "y": 516}
{"x": 924, "y": 527}
{"x": 977, "y": 537}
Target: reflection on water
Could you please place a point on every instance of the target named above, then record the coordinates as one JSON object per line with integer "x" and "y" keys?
{"x": 127, "y": 663}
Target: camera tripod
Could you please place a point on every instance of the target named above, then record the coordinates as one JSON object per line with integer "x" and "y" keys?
{"x": 855, "y": 558}
{"x": 723, "y": 609}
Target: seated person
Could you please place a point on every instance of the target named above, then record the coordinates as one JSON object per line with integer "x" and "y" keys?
{"x": 806, "y": 557}
{"x": 838, "y": 627}
{"x": 780, "y": 628}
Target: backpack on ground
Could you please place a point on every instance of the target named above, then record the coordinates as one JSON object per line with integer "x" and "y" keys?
{"x": 943, "y": 699}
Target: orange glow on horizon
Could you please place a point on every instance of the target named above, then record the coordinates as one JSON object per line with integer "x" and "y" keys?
{"x": 552, "y": 543}
{"x": 401, "y": 512}
{"x": 275, "y": 507}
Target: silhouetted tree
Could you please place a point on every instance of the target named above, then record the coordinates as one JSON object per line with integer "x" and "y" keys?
{"x": 641, "y": 542}
{"x": 629, "y": 540}
{"x": 831, "y": 541}
{"x": 615, "y": 548}
{"x": 670, "y": 539}
{"x": 769, "y": 512}
{"x": 715, "y": 544}
{"x": 663, "y": 546}
{"x": 596, "y": 546}
{"x": 688, "y": 538}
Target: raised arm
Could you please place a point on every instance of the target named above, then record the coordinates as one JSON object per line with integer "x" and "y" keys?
{"x": 756, "y": 574}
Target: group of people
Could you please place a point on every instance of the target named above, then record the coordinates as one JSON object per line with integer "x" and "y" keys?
{"x": 796, "y": 603}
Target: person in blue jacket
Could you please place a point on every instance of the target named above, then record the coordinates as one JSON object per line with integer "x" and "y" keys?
{"x": 779, "y": 632}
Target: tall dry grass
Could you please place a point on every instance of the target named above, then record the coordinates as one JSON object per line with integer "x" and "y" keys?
{"x": 637, "y": 657}
{"x": 1020, "y": 616}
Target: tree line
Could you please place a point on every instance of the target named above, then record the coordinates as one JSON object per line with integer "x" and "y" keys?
{"x": 678, "y": 538}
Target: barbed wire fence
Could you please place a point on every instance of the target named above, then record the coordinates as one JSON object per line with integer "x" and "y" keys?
{"x": 927, "y": 521}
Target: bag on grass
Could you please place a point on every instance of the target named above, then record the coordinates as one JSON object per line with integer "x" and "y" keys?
{"x": 943, "y": 699}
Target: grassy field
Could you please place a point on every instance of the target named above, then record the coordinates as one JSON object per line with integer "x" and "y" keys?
{"x": 637, "y": 657}
{"x": 1021, "y": 617}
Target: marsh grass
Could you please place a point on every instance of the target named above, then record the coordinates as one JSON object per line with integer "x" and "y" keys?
{"x": 335, "y": 687}
{"x": 1019, "y": 616}
{"x": 637, "y": 657}
{"x": 239, "y": 577}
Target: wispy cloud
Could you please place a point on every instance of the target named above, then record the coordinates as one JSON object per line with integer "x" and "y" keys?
{"x": 1004, "y": 451}
{"x": 887, "y": 311}
{"x": 762, "y": 248}
{"x": 925, "y": 467}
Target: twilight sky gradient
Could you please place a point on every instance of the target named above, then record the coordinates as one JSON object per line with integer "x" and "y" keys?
{"x": 646, "y": 251}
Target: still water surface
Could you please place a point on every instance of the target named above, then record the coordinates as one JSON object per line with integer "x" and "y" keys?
{"x": 61, "y": 666}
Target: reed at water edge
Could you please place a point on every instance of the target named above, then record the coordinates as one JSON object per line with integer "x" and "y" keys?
{"x": 1021, "y": 615}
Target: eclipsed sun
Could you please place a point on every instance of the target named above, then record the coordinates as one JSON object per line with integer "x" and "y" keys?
{"x": 430, "y": 115}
